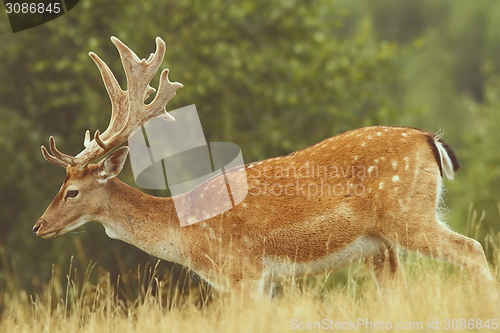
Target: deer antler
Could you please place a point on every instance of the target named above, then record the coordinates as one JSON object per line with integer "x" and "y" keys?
{"x": 129, "y": 111}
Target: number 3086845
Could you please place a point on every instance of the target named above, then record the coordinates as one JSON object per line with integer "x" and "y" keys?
{"x": 33, "y": 8}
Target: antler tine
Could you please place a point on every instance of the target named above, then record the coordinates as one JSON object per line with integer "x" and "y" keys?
{"x": 95, "y": 149}
{"x": 86, "y": 140}
{"x": 117, "y": 96}
{"x": 110, "y": 82}
{"x": 139, "y": 72}
{"x": 63, "y": 157}
{"x": 56, "y": 157}
{"x": 166, "y": 91}
{"x": 51, "y": 158}
{"x": 102, "y": 144}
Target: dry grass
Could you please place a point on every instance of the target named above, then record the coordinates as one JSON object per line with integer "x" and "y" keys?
{"x": 436, "y": 292}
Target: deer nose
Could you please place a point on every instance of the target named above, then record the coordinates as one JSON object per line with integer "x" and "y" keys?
{"x": 37, "y": 226}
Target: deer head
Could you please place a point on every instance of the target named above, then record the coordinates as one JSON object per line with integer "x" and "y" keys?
{"x": 85, "y": 183}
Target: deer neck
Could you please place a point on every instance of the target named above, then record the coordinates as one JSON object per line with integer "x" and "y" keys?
{"x": 148, "y": 222}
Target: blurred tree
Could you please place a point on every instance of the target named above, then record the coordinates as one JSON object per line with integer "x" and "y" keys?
{"x": 479, "y": 185}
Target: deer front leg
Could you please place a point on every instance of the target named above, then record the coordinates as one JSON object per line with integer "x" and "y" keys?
{"x": 385, "y": 267}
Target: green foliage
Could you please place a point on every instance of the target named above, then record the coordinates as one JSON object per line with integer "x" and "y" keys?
{"x": 480, "y": 182}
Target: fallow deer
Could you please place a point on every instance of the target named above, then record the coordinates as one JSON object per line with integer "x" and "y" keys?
{"x": 360, "y": 194}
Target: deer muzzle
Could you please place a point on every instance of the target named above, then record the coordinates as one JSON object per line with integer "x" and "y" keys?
{"x": 38, "y": 229}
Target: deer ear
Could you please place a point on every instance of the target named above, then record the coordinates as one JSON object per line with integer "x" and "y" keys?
{"x": 113, "y": 163}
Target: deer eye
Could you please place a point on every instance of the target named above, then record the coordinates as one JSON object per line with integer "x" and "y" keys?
{"x": 71, "y": 194}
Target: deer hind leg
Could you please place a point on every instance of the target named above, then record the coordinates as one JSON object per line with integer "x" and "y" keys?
{"x": 385, "y": 267}
{"x": 437, "y": 241}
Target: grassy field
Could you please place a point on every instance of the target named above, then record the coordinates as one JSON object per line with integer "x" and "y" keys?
{"x": 439, "y": 298}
